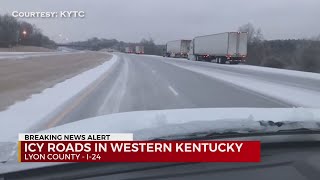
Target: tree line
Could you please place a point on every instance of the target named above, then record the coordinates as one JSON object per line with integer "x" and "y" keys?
{"x": 303, "y": 54}
{"x": 97, "y": 44}
{"x": 14, "y": 32}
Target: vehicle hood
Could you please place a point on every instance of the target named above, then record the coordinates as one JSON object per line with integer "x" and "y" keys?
{"x": 148, "y": 125}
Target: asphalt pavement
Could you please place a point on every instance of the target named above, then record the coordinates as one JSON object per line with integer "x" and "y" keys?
{"x": 142, "y": 82}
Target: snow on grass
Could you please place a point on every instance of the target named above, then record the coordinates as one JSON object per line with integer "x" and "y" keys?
{"x": 24, "y": 115}
{"x": 292, "y": 95}
{"x": 287, "y": 72}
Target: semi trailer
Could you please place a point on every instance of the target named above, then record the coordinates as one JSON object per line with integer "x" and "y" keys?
{"x": 128, "y": 50}
{"x": 178, "y": 48}
{"x": 139, "y": 49}
{"x": 220, "y": 48}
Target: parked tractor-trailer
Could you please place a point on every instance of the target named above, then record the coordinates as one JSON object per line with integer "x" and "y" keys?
{"x": 178, "y": 48}
{"x": 220, "y": 48}
{"x": 128, "y": 50}
{"x": 139, "y": 49}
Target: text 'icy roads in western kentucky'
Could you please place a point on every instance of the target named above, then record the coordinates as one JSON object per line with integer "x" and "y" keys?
{"x": 135, "y": 147}
{"x": 177, "y": 147}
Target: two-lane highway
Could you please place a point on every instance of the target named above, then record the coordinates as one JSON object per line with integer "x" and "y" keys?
{"x": 139, "y": 82}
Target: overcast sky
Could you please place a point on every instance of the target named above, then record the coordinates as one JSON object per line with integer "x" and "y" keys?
{"x": 164, "y": 20}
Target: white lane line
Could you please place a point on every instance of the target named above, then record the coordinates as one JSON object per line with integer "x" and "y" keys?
{"x": 173, "y": 91}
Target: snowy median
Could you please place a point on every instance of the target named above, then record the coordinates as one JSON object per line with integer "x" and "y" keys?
{"x": 24, "y": 115}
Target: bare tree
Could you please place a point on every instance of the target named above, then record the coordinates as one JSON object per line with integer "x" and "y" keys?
{"x": 253, "y": 34}
{"x": 258, "y": 35}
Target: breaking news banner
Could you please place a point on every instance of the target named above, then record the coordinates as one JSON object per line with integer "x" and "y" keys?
{"x": 120, "y": 147}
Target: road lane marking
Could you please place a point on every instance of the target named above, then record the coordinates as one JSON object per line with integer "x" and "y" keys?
{"x": 173, "y": 91}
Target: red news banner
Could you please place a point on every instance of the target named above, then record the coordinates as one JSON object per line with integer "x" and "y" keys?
{"x": 122, "y": 148}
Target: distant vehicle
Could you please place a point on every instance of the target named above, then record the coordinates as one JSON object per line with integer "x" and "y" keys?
{"x": 178, "y": 48}
{"x": 110, "y": 50}
{"x": 128, "y": 50}
{"x": 220, "y": 48}
{"x": 139, "y": 49}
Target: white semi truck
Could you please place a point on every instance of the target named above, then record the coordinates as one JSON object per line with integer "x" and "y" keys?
{"x": 220, "y": 48}
{"x": 128, "y": 50}
{"x": 139, "y": 49}
{"x": 178, "y": 48}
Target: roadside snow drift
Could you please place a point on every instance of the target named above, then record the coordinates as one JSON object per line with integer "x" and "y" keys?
{"x": 279, "y": 71}
{"x": 24, "y": 115}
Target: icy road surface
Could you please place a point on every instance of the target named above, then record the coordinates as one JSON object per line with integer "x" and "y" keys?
{"x": 142, "y": 82}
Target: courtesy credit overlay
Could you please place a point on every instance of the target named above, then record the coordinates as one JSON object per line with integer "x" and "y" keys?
{"x": 120, "y": 147}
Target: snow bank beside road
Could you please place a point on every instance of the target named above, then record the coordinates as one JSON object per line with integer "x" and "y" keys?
{"x": 280, "y": 71}
{"x": 23, "y": 115}
{"x": 289, "y": 94}
{"x": 294, "y": 73}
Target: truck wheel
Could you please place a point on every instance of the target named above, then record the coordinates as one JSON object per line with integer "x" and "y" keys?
{"x": 222, "y": 60}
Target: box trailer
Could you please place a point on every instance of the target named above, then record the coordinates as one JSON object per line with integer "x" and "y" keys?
{"x": 139, "y": 49}
{"x": 178, "y": 48}
{"x": 221, "y": 48}
{"x": 128, "y": 50}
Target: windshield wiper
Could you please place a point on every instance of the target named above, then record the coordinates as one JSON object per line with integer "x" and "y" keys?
{"x": 237, "y": 134}
{"x": 250, "y": 134}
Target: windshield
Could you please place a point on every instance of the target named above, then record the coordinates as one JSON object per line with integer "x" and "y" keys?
{"x": 160, "y": 69}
